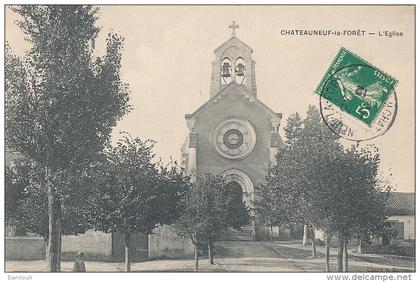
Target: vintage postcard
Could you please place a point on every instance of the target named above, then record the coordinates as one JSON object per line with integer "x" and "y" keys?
{"x": 206, "y": 138}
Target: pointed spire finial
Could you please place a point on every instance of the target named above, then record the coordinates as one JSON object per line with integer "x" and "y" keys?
{"x": 233, "y": 26}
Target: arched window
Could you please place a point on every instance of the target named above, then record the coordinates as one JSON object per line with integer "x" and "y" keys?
{"x": 226, "y": 71}
{"x": 240, "y": 71}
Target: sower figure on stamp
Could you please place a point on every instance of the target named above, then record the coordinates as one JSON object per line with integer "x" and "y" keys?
{"x": 79, "y": 264}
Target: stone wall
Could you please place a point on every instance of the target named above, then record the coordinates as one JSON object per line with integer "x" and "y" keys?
{"x": 409, "y": 221}
{"x": 166, "y": 244}
{"x": 24, "y": 248}
{"x": 95, "y": 245}
{"x": 138, "y": 247}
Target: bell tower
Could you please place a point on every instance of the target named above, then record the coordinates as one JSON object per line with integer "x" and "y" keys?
{"x": 233, "y": 133}
{"x": 233, "y": 63}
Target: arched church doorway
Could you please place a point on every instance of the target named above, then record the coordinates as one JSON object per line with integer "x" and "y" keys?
{"x": 238, "y": 178}
{"x": 235, "y": 194}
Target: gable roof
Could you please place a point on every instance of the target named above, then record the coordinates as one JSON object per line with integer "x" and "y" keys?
{"x": 401, "y": 203}
{"x": 240, "y": 88}
{"x": 231, "y": 41}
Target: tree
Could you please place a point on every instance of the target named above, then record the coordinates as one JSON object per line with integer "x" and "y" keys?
{"x": 173, "y": 184}
{"x": 229, "y": 210}
{"x": 318, "y": 148}
{"x": 61, "y": 102}
{"x": 362, "y": 198}
{"x": 191, "y": 222}
{"x": 341, "y": 193}
{"x": 15, "y": 185}
{"x": 131, "y": 194}
{"x": 267, "y": 207}
{"x": 276, "y": 202}
{"x": 287, "y": 183}
{"x": 334, "y": 189}
{"x": 210, "y": 206}
{"x": 293, "y": 135}
{"x": 27, "y": 200}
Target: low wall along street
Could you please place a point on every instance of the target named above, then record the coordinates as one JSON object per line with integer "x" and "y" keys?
{"x": 95, "y": 245}
{"x": 25, "y": 248}
{"x": 164, "y": 243}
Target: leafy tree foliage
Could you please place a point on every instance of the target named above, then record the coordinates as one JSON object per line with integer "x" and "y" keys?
{"x": 210, "y": 206}
{"x": 278, "y": 200}
{"x": 330, "y": 187}
{"x": 27, "y": 200}
{"x": 15, "y": 185}
{"x": 132, "y": 193}
{"x": 343, "y": 194}
{"x": 276, "y": 203}
{"x": 173, "y": 185}
{"x": 61, "y": 101}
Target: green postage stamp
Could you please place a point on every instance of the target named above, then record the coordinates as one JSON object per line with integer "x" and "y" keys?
{"x": 356, "y": 87}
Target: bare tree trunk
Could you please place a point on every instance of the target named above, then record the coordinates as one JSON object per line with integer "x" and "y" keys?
{"x": 59, "y": 245}
{"x": 46, "y": 249}
{"x": 345, "y": 256}
{"x": 327, "y": 253}
{"x": 271, "y": 233}
{"x": 210, "y": 251}
{"x": 196, "y": 257}
{"x": 127, "y": 252}
{"x": 305, "y": 235}
{"x": 54, "y": 250}
{"x": 313, "y": 242}
{"x": 340, "y": 253}
{"x": 362, "y": 245}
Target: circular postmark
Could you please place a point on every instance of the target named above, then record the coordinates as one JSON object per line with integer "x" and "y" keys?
{"x": 358, "y": 103}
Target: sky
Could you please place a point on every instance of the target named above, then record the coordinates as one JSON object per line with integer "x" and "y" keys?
{"x": 168, "y": 57}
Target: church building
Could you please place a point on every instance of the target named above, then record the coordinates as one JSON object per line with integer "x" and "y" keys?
{"x": 233, "y": 133}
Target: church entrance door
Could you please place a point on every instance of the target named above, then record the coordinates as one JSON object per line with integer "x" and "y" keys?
{"x": 237, "y": 178}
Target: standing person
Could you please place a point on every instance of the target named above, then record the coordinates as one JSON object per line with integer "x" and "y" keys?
{"x": 79, "y": 264}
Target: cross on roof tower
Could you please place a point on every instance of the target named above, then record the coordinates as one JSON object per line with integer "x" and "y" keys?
{"x": 233, "y": 26}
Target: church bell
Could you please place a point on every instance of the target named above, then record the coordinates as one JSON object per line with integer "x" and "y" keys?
{"x": 226, "y": 70}
{"x": 240, "y": 69}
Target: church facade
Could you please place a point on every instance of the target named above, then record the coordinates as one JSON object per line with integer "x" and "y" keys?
{"x": 233, "y": 133}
